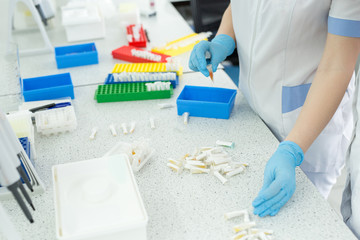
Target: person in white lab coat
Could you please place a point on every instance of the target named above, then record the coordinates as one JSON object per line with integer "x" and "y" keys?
{"x": 297, "y": 61}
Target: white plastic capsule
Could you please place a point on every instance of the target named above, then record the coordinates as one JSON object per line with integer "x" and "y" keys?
{"x": 152, "y": 123}
{"x": 220, "y": 167}
{"x": 194, "y": 169}
{"x": 195, "y": 163}
{"x": 220, "y": 177}
{"x": 243, "y": 226}
{"x": 165, "y": 105}
{"x": 132, "y": 127}
{"x": 176, "y": 162}
{"x": 113, "y": 130}
{"x": 123, "y": 126}
{"x": 235, "y": 172}
{"x": 257, "y": 230}
{"x": 238, "y": 213}
{"x": 186, "y": 117}
{"x": 239, "y": 235}
{"x": 93, "y": 133}
{"x": 201, "y": 156}
{"x": 221, "y": 160}
{"x": 174, "y": 167}
{"x": 225, "y": 144}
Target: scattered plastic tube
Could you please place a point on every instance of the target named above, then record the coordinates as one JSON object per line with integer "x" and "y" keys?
{"x": 152, "y": 122}
{"x": 123, "y": 126}
{"x": 234, "y": 214}
{"x": 186, "y": 117}
{"x": 174, "y": 167}
{"x": 235, "y": 172}
{"x": 93, "y": 133}
{"x": 239, "y": 235}
{"x": 195, "y": 169}
{"x": 132, "y": 127}
{"x": 225, "y": 144}
{"x": 166, "y": 105}
{"x": 220, "y": 177}
{"x": 243, "y": 226}
{"x": 113, "y": 130}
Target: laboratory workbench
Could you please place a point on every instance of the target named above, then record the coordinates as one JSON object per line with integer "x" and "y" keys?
{"x": 185, "y": 206}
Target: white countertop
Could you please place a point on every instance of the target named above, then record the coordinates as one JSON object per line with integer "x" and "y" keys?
{"x": 179, "y": 206}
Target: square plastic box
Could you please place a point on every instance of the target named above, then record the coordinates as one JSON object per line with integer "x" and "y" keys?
{"x": 82, "y": 21}
{"x": 98, "y": 199}
{"x": 48, "y": 87}
{"x": 207, "y": 102}
{"x": 76, "y": 55}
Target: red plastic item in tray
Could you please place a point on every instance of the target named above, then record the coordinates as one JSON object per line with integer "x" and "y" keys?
{"x": 136, "y": 35}
{"x": 124, "y": 53}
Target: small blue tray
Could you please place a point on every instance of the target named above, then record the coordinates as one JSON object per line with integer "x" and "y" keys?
{"x": 207, "y": 102}
{"x": 110, "y": 80}
{"x": 48, "y": 87}
{"x": 76, "y": 55}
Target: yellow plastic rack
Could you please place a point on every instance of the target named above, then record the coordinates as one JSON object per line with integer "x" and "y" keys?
{"x": 145, "y": 67}
{"x": 181, "y": 45}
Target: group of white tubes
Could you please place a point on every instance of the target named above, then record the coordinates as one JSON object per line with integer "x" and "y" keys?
{"x": 123, "y": 127}
{"x": 213, "y": 160}
{"x": 157, "y": 86}
{"x": 113, "y": 131}
{"x": 191, "y": 40}
{"x": 143, "y": 76}
{"x": 246, "y": 230}
{"x": 145, "y": 55}
{"x": 135, "y": 33}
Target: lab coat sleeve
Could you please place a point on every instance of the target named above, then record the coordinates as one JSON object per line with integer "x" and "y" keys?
{"x": 344, "y": 18}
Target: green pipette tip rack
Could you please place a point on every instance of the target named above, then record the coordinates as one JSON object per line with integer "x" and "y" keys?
{"x": 128, "y": 92}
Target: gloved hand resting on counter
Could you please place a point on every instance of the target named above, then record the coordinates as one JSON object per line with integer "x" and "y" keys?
{"x": 279, "y": 179}
{"x": 219, "y": 48}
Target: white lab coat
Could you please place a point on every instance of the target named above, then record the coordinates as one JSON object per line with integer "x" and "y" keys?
{"x": 350, "y": 206}
{"x": 280, "y": 44}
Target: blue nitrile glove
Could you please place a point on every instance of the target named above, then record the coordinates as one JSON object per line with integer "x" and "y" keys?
{"x": 219, "y": 48}
{"x": 279, "y": 179}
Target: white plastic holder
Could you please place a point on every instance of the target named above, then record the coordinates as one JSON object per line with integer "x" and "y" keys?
{"x": 98, "y": 199}
{"x": 82, "y": 21}
{"x": 30, "y": 4}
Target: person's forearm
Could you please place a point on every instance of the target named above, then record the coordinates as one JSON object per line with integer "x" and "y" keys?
{"x": 226, "y": 25}
{"x": 327, "y": 90}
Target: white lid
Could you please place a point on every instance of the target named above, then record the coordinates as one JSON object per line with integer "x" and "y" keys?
{"x": 80, "y": 14}
{"x": 96, "y": 197}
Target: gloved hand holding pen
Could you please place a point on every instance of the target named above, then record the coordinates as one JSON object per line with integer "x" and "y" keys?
{"x": 219, "y": 48}
{"x": 279, "y": 179}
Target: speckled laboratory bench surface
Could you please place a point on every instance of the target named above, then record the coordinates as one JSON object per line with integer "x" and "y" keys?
{"x": 180, "y": 206}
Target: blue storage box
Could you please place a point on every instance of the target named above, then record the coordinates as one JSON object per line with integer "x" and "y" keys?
{"x": 48, "y": 87}
{"x": 208, "y": 102}
{"x": 110, "y": 80}
{"x": 76, "y": 55}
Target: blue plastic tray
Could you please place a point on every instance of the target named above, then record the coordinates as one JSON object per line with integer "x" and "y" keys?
{"x": 110, "y": 80}
{"x": 48, "y": 87}
{"x": 76, "y": 55}
{"x": 207, "y": 102}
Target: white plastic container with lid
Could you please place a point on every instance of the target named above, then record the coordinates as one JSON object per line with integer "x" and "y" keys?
{"x": 98, "y": 199}
{"x": 82, "y": 21}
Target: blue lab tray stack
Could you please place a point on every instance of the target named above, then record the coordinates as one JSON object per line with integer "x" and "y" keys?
{"x": 76, "y": 55}
{"x": 207, "y": 102}
{"x": 110, "y": 80}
